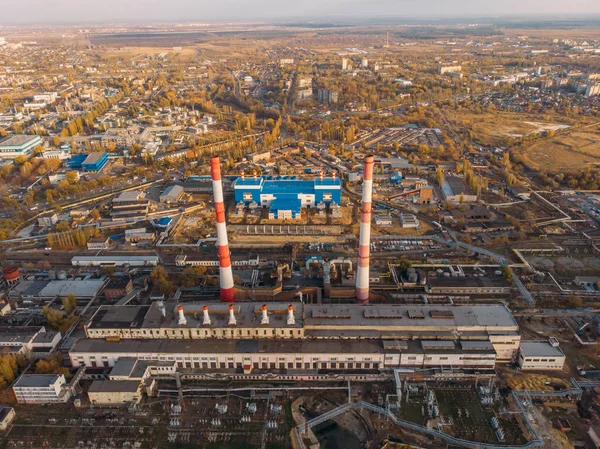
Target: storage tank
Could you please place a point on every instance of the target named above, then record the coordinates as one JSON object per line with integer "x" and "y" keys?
{"x": 61, "y": 274}
{"x": 11, "y": 273}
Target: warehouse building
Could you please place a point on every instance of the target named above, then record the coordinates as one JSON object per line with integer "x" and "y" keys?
{"x": 484, "y": 285}
{"x": 171, "y": 194}
{"x": 455, "y": 190}
{"x": 115, "y": 392}
{"x": 130, "y": 206}
{"x": 286, "y": 196}
{"x": 541, "y": 355}
{"x": 19, "y": 145}
{"x": 94, "y": 162}
{"x": 50, "y": 289}
{"x": 114, "y": 261}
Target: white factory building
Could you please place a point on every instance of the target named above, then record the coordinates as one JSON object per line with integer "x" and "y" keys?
{"x": 41, "y": 389}
{"x": 541, "y": 356}
{"x": 114, "y": 261}
{"x": 248, "y": 336}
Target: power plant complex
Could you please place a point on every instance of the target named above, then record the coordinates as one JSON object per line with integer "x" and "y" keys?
{"x": 248, "y": 339}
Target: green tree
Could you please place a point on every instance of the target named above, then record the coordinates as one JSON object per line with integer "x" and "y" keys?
{"x": 53, "y": 316}
{"x": 403, "y": 264}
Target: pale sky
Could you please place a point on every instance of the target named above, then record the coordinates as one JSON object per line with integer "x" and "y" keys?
{"x": 88, "y": 11}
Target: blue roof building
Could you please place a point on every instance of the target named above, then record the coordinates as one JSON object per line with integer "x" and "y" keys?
{"x": 76, "y": 161}
{"x": 286, "y": 196}
{"x": 163, "y": 223}
{"x": 94, "y": 162}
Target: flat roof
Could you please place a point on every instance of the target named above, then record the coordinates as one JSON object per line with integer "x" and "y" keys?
{"x": 18, "y": 334}
{"x": 454, "y": 185}
{"x": 114, "y": 386}
{"x": 45, "y": 337}
{"x": 463, "y": 317}
{"x": 79, "y": 288}
{"x": 124, "y": 366}
{"x": 248, "y": 315}
{"x": 37, "y": 380}
{"x": 94, "y": 157}
{"x": 540, "y": 349}
{"x": 114, "y": 258}
{"x": 131, "y": 195}
{"x": 17, "y": 140}
{"x": 313, "y": 316}
{"x": 173, "y": 190}
{"x": 468, "y": 281}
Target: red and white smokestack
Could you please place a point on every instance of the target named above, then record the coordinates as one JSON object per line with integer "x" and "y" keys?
{"x": 321, "y": 175}
{"x": 333, "y": 175}
{"x": 362, "y": 271}
{"x": 182, "y": 320}
{"x": 232, "y": 320}
{"x": 206, "y": 320}
{"x": 255, "y": 175}
{"x": 265, "y": 315}
{"x": 290, "y": 318}
{"x": 225, "y": 274}
{"x": 243, "y": 176}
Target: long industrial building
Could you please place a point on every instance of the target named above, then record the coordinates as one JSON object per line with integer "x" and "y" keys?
{"x": 248, "y": 336}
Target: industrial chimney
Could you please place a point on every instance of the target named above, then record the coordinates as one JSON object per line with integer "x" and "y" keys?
{"x": 232, "y": 320}
{"x": 265, "y": 316}
{"x": 206, "y": 320}
{"x": 182, "y": 320}
{"x": 225, "y": 274}
{"x": 290, "y": 318}
{"x": 362, "y": 271}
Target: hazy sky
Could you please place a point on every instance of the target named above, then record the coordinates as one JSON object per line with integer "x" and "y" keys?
{"x": 52, "y": 11}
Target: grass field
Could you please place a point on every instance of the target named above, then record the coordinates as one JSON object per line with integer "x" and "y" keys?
{"x": 573, "y": 150}
{"x": 500, "y": 128}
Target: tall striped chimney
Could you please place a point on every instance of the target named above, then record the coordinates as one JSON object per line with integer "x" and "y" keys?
{"x": 225, "y": 274}
{"x": 362, "y": 271}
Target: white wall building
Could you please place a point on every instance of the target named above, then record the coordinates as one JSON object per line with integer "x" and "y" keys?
{"x": 541, "y": 355}
{"x": 41, "y": 389}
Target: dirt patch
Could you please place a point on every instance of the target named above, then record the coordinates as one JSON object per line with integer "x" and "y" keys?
{"x": 572, "y": 149}
{"x": 593, "y": 262}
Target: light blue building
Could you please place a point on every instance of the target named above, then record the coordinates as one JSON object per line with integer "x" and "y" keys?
{"x": 18, "y": 145}
{"x": 94, "y": 162}
{"x": 286, "y": 196}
